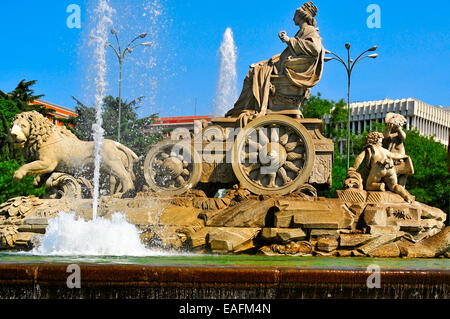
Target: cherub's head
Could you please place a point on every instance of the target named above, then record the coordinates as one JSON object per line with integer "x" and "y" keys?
{"x": 374, "y": 138}
{"x": 395, "y": 119}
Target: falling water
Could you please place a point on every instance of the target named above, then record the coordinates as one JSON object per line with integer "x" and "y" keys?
{"x": 227, "y": 85}
{"x": 100, "y": 36}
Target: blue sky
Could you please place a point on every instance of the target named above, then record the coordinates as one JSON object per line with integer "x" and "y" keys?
{"x": 413, "y": 41}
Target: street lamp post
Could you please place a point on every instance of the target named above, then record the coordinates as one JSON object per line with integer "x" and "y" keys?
{"x": 349, "y": 68}
{"x": 121, "y": 57}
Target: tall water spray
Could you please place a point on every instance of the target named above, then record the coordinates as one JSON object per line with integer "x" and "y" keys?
{"x": 227, "y": 85}
{"x": 100, "y": 36}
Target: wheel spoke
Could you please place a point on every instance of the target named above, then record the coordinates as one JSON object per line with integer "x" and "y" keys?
{"x": 272, "y": 177}
{"x": 294, "y": 156}
{"x": 251, "y": 168}
{"x": 180, "y": 181}
{"x": 186, "y": 172}
{"x": 290, "y": 146}
{"x": 290, "y": 166}
{"x": 284, "y": 139}
{"x": 282, "y": 173}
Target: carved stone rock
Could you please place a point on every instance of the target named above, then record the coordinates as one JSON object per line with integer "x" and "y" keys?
{"x": 282, "y": 235}
{"x": 327, "y": 244}
{"x": 317, "y": 214}
{"x": 232, "y": 239}
{"x": 379, "y": 241}
{"x": 386, "y": 251}
{"x": 250, "y": 213}
{"x": 355, "y": 240}
{"x": 431, "y": 247}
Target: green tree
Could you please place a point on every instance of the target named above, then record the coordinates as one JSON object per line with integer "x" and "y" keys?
{"x": 316, "y": 107}
{"x": 10, "y": 189}
{"x": 17, "y": 101}
{"x": 431, "y": 180}
{"x": 132, "y": 128}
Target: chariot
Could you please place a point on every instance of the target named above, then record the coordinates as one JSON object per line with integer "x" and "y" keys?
{"x": 274, "y": 154}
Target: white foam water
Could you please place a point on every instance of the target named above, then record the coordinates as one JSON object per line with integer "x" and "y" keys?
{"x": 227, "y": 85}
{"x": 67, "y": 235}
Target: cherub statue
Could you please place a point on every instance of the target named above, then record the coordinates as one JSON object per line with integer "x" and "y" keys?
{"x": 393, "y": 142}
{"x": 380, "y": 163}
{"x": 301, "y": 63}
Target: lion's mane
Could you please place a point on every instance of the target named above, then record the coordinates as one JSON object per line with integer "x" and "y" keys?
{"x": 40, "y": 130}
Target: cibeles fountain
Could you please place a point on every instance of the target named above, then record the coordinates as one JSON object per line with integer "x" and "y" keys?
{"x": 265, "y": 160}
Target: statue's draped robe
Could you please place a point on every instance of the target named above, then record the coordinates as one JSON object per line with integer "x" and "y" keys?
{"x": 301, "y": 62}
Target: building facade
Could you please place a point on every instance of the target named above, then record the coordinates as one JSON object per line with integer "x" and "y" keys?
{"x": 177, "y": 122}
{"x": 427, "y": 119}
{"x": 58, "y": 111}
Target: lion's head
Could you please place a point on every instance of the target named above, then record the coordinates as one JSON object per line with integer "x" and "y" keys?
{"x": 29, "y": 130}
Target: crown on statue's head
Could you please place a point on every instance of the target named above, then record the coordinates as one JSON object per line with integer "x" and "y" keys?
{"x": 309, "y": 8}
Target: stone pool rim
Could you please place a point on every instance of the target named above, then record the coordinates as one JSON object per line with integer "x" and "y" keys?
{"x": 44, "y": 280}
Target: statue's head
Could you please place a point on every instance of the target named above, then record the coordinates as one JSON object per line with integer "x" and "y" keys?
{"x": 374, "y": 138}
{"x": 20, "y": 130}
{"x": 395, "y": 119}
{"x": 30, "y": 129}
{"x": 306, "y": 13}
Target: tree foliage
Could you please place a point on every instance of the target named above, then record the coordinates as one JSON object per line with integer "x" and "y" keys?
{"x": 10, "y": 189}
{"x": 11, "y": 104}
{"x": 431, "y": 180}
{"x": 132, "y": 127}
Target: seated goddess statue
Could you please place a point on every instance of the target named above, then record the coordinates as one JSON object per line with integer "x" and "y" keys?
{"x": 284, "y": 82}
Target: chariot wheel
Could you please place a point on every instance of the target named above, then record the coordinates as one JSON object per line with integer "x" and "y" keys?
{"x": 273, "y": 155}
{"x": 172, "y": 167}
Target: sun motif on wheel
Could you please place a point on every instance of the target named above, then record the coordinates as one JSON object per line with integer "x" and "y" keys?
{"x": 172, "y": 167}
{"x": 274, "y": 155}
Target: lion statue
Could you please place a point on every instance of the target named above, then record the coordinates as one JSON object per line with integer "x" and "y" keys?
{"x": 50, "y": 148}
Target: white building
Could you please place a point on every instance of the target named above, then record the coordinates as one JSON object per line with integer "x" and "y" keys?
{"x": 427, "y": 119}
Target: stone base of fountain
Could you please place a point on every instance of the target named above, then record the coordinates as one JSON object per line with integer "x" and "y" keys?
{"x": 381, "y": 224}
{"x": 46, "y": 281}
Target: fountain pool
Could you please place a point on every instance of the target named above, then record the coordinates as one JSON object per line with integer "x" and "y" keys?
{"x": 221, "y": 277}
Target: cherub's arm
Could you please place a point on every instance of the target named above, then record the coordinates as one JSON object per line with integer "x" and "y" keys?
{"x": 387, "y": 131}
{"x": 396, "y": 156}
{"x": 401, "y": 133}
{"x": 359, "y": 159}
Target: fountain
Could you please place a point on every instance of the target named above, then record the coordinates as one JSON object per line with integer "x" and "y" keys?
{"x": 227, "y": 85}
{"x": 100, "y": 35}
{"x": 270, "y": 233}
